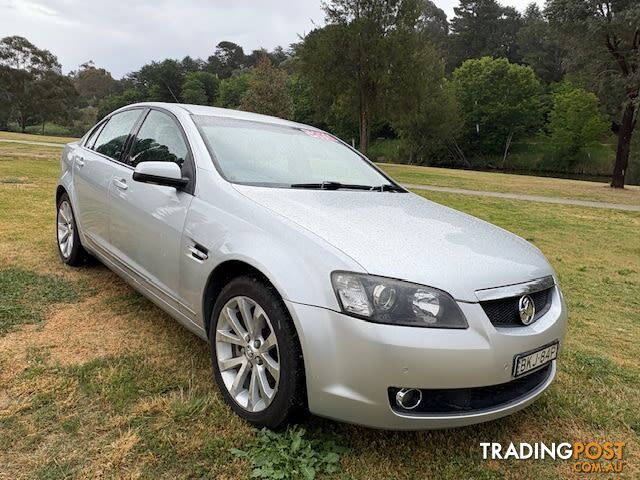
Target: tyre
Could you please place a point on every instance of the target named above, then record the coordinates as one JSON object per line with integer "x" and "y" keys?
{"x": 69, "y": 246}
{"x": 256, "y": 355}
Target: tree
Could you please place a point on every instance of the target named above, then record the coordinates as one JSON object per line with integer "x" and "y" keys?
{"x": 346, "y": 60}
{"x": 540, "y": 46}
{"x": 160, "y": 81}
{"x": 574, "y": 122}
{"x": 268, "y": 91}
{"x": 422, "y": 108}
{"x": 19, "y": 53}
{"x": 193, "y": 91}
{"x": 232, "y": 90}
{"x": 227, "y": 58}
{"x": 348, "y": 63}
{"x": 483, "y": 28}
{"x": 58, "y": 99}
{"x": 277, "y": 56}
{"x": 210, "y": 83}
{"x": 608, "y": 55}
{"x": 31, "y": 81}
{"x": 126, "y": 97}
{"x": 500, "y": 100}
{"x": 303, "y": 111}
{"x": 93, "y": 84}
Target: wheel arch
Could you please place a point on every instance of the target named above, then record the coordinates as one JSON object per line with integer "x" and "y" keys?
{"x": 221, "y": 275}
{"x": 60, "y": 190}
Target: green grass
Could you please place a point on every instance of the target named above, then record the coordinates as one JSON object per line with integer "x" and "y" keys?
{"x": 110, "y": 386}
{"x": 25, "y": 296}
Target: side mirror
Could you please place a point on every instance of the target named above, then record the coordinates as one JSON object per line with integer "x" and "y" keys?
{"x": 160, "y": 173}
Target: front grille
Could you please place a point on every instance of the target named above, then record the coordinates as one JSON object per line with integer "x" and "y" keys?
{"x": 461, "y": 400}
{"x": 504, "y": 312}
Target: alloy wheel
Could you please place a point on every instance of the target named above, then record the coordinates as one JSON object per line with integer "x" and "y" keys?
{"x": 65, "y": 229}
{"x": 247, "y": 354}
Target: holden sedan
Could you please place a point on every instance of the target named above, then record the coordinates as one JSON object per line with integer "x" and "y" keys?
{"x": 320, "y": 284}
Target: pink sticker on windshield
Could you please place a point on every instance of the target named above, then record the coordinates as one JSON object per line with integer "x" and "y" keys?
{"x": 320, "y": 135}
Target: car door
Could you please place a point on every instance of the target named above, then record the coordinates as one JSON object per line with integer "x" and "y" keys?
{"x": 93, "y": 170}
{"x": 145, "y": 220}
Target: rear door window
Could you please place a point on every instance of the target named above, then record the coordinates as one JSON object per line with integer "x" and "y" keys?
{"x": 113, "y": 137}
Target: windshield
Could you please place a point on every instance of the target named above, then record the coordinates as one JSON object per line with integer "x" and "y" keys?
{"x": 275, "y": 155}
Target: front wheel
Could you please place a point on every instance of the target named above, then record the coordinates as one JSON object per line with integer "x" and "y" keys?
{"x": 69, "y": 247}
{"x": 256, "y": 355}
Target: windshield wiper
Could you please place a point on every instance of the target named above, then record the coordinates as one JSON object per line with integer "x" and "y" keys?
{"x": 330, "y": 186}
{"x": 387, "y": 187}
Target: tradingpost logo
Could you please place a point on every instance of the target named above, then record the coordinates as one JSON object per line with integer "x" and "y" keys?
{"x": 586, "y": 457}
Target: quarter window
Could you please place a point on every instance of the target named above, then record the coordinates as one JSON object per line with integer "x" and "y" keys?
{"x": 112, "y": 138}
{"x": 91, "y": 140}
{"x": 159, "y": 140}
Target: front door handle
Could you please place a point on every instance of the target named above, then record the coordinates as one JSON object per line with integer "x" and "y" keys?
{"x": 79, "y": 162}
{"x": 121, "y": 183}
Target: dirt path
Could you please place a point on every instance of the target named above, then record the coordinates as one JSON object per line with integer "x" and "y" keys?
{"x": 29, "y": 142}
{"x": 529, "y": 198}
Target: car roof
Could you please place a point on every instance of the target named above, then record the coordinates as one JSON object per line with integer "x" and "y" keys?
{"x": 222, "y": 113}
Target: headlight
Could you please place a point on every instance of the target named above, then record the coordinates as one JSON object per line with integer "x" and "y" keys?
{"x": 385, "y": 300}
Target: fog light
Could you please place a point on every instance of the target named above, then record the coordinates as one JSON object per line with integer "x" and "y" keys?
{"x": 408, "y": 398}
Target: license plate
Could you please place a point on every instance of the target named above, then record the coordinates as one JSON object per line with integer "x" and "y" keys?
{"x": 525, "y": 362}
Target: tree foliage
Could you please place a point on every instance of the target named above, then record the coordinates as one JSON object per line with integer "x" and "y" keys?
{"x": 232, "y": 90}
{"x": 193, "y": 91}
{"x": 499, "y": 100}
{"x": 483, "y": 28}
{"x": 268, "y": 91}
{"x": 421, "y": 105}
{"x": 575, "y": 121}
{"x": 31, "y": 84}
{"x": 540, "y": 46}
{"x": 349, "y": 63}
{"x": 92, "y": 83}
{"x": 604, "y": 40}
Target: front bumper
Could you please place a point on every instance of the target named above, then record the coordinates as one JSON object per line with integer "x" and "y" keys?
{"x": 350, "y": 364}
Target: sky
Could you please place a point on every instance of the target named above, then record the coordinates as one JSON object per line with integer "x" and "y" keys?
{"x": 123, "y": 35}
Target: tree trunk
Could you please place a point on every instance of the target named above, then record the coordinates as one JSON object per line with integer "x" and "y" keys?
{"x": 624, "y": 145}
{"x": 506, "y": 149}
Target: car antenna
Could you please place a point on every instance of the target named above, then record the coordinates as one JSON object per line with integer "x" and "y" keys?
{"x": 171, "y": 92}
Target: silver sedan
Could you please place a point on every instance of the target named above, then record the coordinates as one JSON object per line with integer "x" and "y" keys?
{"x": 320, "y": 284}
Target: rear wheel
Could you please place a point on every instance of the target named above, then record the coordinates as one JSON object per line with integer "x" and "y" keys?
{"x": 69, "y": 247}
{"x": 256, "y": 355}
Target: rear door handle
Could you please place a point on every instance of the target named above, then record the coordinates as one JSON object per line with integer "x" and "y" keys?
{"x": 79, "y": 162}
{"x": 121, "y": 183}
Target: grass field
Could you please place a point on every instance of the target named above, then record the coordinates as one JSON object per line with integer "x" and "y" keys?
{"x": 97, "y": 382}
{"x": 509, "y": 183}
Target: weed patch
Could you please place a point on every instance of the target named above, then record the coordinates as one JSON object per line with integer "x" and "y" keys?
{"x": 290, "y": 455}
